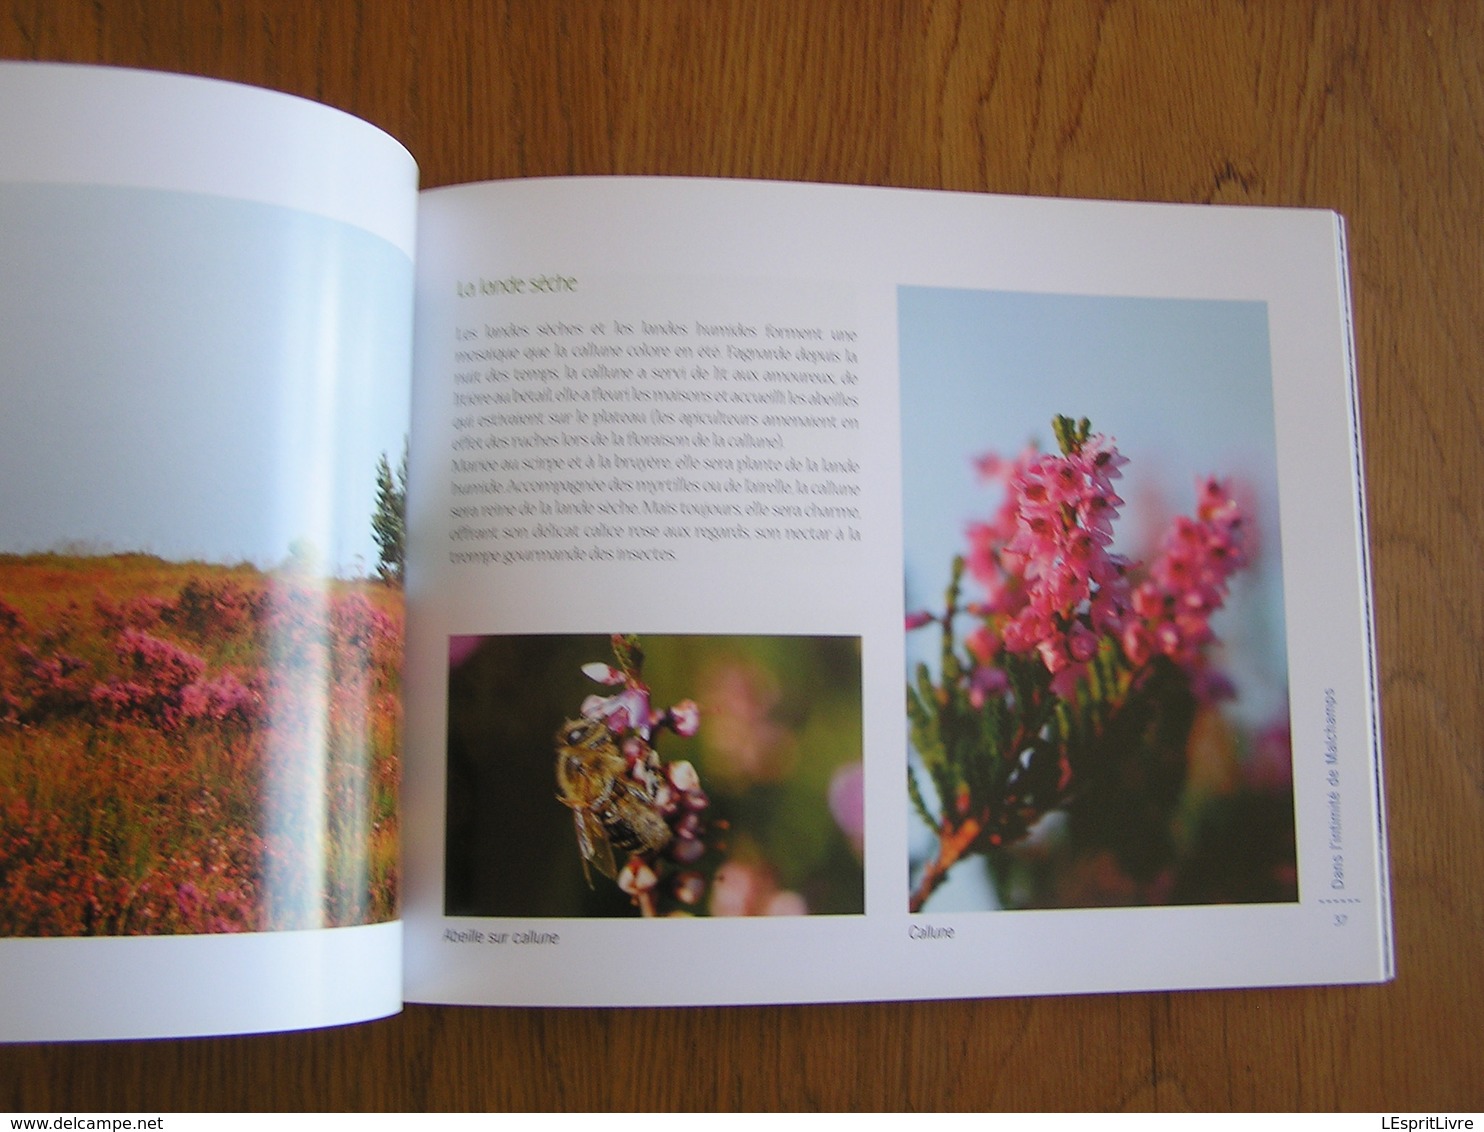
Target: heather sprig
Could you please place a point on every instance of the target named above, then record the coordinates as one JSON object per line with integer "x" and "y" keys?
{"x": 1074, "y": 679}
{"x": 669, "y": 877}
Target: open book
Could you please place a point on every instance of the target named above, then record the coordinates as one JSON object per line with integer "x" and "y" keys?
{"x": 641, "y": 591}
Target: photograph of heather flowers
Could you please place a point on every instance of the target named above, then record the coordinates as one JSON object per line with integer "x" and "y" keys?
{"x": 1096, "y": 691}
{"x": 654, "y": 775}
{"x": 201, "y": 610}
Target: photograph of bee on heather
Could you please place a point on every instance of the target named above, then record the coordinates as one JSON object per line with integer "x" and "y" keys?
{"x": 201, "y": 609}
{"x": 646, "y": 775}
{"x": 1097, "y": 684}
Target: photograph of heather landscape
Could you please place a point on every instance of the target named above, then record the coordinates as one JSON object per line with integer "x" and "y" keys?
{"x": 1096, "y": 692}
{"x": 201, "y": 541}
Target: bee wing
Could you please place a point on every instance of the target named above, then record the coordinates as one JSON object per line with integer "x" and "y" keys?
{"x": 592, "y": 840}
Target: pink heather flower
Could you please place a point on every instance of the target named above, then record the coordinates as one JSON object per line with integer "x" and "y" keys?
{"x": 1053, "y": 654}
{"x": 847, "y": 798}
{"x": 194, "y": 701}
{"x": 636, "y": 750}
{"x": 1103, "y": 462}
{"x": 982, "y": 559}
{"x": 603, "y": 673}
{"x": 674, "y": 789}
{"x": 224, "y": 697}
{"x": 664, "y": 798}
{"x": 1064, "y": 683}
{"x": 1136, "y": 644}
{"x": 1097, "y": 513}
{"x": 689, "y": 826}
{"x": 984, "y": 643}
{"x": 918, "y": 619}
{"x": 1217, "y": 503}
{"x": 1054, "y": 590}
{"x": 1188, "y": 580}
{"x": 992, "y": 466}
{"x": 683, "y": 777}
{"x": 1064, "y": 481}
{"x": 631, "y": 709}
{"x": 1024, "y": 632}
{"x": 187, "y": 898}
{"x": 751, "y": 890}
{"x": 1082, "y": 643}
{"x": 988, "y": 682}
{"x": 637, "y": 877}
{"x": 626, "y": 711}
{"x": 735, "y": 889}
{"x": 748, "y": 743}
{"x": 685, "y": 718}
{"x": 1064, "y": 508}
{"x": 988, "y": 542}
{"x": 167, "y": 665}
{"x": 689, "y": 888}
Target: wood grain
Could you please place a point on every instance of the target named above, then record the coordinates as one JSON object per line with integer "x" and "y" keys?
{"x": 1373, "y": 109}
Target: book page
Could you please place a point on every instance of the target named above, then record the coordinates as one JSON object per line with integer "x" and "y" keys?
{"x": 830, "y": 594}
{"x": 207, "y": 299}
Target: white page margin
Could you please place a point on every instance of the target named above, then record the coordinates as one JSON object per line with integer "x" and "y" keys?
{"x": 146, "y": 129}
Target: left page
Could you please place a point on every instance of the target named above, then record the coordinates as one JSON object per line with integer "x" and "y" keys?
{"x": 207, "y": 301}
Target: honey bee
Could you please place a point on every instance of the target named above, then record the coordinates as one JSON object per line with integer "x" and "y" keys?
{"x": 609, "y": 808}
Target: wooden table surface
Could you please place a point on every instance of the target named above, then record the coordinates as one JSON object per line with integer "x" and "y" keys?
{"x": 1376, "y": 110}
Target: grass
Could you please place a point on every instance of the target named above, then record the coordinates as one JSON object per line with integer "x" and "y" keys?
{"x": 192, "y": 748}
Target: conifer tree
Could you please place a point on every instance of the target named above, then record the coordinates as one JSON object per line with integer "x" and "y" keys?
{"x": 389, "y": 520}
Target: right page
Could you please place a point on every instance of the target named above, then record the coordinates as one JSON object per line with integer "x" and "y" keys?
{"x": 823, "y": 593}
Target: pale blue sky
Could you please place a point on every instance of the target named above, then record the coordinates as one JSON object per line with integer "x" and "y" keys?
{"x": 1183, "y": 386}
{"x": 195, "y": 376}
